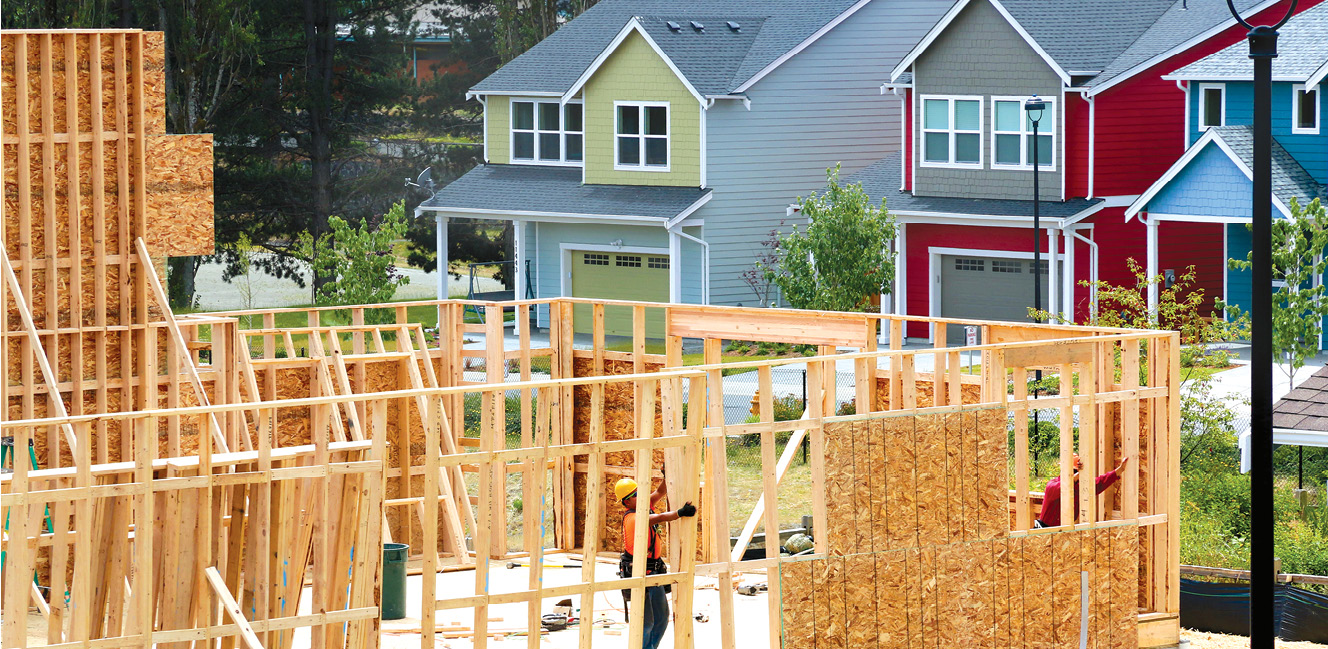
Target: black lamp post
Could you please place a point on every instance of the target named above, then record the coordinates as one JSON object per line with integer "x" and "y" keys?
{"x": 1263, "y": 49}
{"x": 1034, "y": 108}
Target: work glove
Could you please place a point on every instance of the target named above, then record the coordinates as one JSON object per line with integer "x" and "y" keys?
{"x": 687, "y": 510}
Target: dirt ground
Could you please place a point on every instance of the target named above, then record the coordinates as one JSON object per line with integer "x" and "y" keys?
{"x": 1203, "y": 640}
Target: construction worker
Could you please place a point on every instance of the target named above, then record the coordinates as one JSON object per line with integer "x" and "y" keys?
{"x": 1051, "y": 498}
{"x": 655, "y": 609}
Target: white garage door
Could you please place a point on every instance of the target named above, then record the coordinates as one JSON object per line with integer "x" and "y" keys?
{"x": 987, "y": 288}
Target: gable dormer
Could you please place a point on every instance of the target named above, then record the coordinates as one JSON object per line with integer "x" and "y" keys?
{"x": 971, "y": 137}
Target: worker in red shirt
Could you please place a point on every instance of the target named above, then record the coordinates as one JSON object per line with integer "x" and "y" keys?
{"x": 1051, "y": 499}
{"x": 656, "y": 607}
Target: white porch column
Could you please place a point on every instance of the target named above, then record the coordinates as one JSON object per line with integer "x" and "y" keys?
{"x": 675, "y": 267}
{"x": 1053, "y": 288}
{"x": 441, "y": 251}
{"x": 1067, "y": 279}
{"x": 519, "y": 248}
{"x": 901, "y": 278}
{"x": 1152, "y": 265}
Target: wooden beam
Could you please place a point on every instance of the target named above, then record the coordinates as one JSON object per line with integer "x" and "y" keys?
{"x": 232, "y": 608}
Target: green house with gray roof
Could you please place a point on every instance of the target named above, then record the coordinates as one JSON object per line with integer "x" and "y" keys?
{"x": 646, "y": 149}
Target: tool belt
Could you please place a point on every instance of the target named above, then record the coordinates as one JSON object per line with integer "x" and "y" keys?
{"x": 653, "y": 567}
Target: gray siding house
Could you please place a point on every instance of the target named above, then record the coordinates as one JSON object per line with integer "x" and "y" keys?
{"x": 647, "y": 148}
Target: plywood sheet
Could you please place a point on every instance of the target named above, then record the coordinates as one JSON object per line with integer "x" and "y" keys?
{"x": 901, "y": 482}
{"x": 892, "y": 599}
{"x": 1124, "y": 585}
{"x": 1066, "y": 589}
{"x": 1037, "y": 592}
{"x": 796, "y": 595}
{"x": 993, "y": 471}
{"x": 1102, "y": 588}
{"x": 862, "y": 486}
{"x": 860, "y": 596}
{"x": 954, "y": 477}
{"x": 931, "y": 484}
{"x": 179, "y": 185}
{"x": 841, "y": 537}
{"x": 879, "y": 486}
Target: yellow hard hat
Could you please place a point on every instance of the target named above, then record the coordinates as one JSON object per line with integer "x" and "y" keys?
{"x": 624, "y": 488}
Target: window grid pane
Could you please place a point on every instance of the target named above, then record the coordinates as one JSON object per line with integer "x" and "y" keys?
{"x": 629, "y": 120}
{"x": 629, "y": 261}
{"x": 548, "y": 146}
{"x": 523, "y": 115}
{"x": 523, "y": 146}
{"x": 968, "y": 115}
{"x": 937, "y": 147}
{"x": 1007, "y": 116}
{"x": 572, "y": 147}
{"x": 936, "y": 114}
{"x": 1212, "y": 107}
{"x": 657, "y": 120}
{"x": 572, "y": 118}
{"x": 1007, "y": 149}
{"x": 629, "y": 150}
{"x": 968, "y": 148}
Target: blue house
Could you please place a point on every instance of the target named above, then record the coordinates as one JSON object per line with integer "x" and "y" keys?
{"x": 1212, "y": 182}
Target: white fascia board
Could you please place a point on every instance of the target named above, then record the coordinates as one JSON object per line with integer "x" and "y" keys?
{"x": 515, "y": 93}
{"x": 633, "y": 25}
{"x": 1209, "y": 137}
{"x": 1172, "y": 171}
{"x": 816, "y": 35}
{"x": 1229, "y": 77}
{"x": 1140, "y": 67}
{"x": 950, "y": 218}
{"x": 545, "y": 217}
{"x": 682, "y": 216}
{"x": 932, "y": 34}
{"x": 894, "y": 87}
{"x": 1295, "y": 437}
{"x": 1317, "y": 76}
{"x": 1189, "y": 218}
{"x": 1107, "y": 202}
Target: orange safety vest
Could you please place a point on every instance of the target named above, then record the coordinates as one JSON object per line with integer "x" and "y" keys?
{"x": 629, "y": 537}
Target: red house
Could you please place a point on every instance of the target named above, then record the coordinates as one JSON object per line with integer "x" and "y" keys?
{"x": 962, "y": 187}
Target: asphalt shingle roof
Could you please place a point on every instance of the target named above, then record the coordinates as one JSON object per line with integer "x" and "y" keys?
{"x": 881, "y": 180}
{"x": 1182, "y": 21}
{"x": 1289, "y": 178}
{"x": 1302, "y": 49}
{"x": 718, "y": 59}
{"x": 531, "y": 188}
{"x": 1306, "y": 406}
{"x": 1085, "y": 35}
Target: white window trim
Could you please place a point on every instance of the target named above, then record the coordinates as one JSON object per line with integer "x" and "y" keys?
{"x": 1203, "y": 88}
{"x": 922, "y": 128}
{"x": 1295, "y": 110}
{"x": 562, "y": 160}
{"x": 1024, "y": 163}
{"x": 668, "y": 136}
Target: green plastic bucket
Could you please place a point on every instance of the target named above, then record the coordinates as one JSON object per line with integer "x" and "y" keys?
{"x": 394, "y": 580}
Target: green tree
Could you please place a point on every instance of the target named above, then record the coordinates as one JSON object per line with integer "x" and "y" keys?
{"x": 1299, "y": 304}
{"x": 842, "y": 259}
{"x": 357, "y": 261}
{"x": 296, "y": 143}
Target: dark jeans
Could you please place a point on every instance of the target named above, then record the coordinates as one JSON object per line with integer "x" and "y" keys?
{"x": 656, "y": 617}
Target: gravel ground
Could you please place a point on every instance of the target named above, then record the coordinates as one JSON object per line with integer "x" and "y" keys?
{"x": 216, "y": 294}
{"x": 1202, "y": 640}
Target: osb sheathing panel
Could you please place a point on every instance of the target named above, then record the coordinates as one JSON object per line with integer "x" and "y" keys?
{"x": 860, "y": 601}
{"x": 925, "y": 387}
{"x": 179, "y": 185}
{"x": 619, "y": 423}
{"x": 796, "y": 588}
{"x": 900, "y": 482}
{"x": 1065, "y": 589}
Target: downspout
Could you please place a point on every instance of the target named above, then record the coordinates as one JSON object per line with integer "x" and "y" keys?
{"x": 903, "y": 133}
{"x": 1092, "y": 273}
{"x": 1185, "y": 133}
{"x": 1092, "y": 139}
{"x": 705, "y": 262}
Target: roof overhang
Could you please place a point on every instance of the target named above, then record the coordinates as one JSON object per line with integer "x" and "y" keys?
{"x": 1232, "y": 77}
{"x": 1209, "y": 137}
{"x": 633, "y": 25}
{"x": 1318, "y": 76}
{"x": 569, "y": 217}
{"x": 1154, "y": 60}
{"x": 991, "y": 220}
{"x": 1284, "y": 436}
{"x": 944, "y": 22}
{"x": 1107, "y": 202}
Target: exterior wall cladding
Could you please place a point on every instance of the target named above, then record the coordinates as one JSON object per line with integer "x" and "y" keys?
{"x": 980, "y": 54}
{"x": 823, "y": 107}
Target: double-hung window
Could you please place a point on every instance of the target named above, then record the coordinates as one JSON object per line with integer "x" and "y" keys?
{"x": 1012, "y": 135}
{"x": 1304, "y": 110}
{"x": 952, "y": 132}
{"x": 545, "y": 132}
{"x": 641, "y": 136}
{"x": 1212, "y": 105}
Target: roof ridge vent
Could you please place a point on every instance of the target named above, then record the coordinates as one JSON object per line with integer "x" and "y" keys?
{"x": 697, "y": 26}
{"x": 733, "y": 26}
{"x": 673, "y": 26}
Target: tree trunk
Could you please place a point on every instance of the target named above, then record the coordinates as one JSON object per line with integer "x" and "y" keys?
{"x": 320, "y": 36}
{"x": 181, "y": 281}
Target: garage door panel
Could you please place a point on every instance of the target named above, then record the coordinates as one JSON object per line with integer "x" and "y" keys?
{"x": 987, "y": 288}
{"x": 640, "y": 277}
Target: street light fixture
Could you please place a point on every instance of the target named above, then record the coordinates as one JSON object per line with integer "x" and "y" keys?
{"x": 1035, "y": 107}
{"x": 1263, "y": 49}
